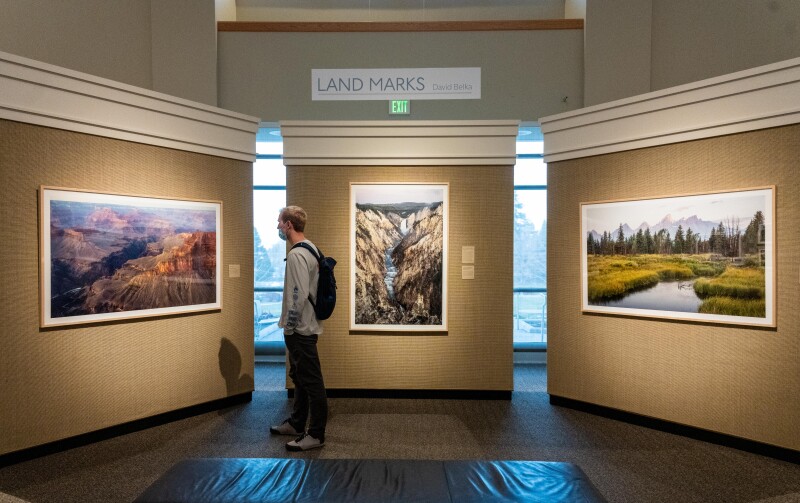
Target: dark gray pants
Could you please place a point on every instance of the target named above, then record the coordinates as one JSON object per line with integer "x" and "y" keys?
{"x": 309, "y": 387}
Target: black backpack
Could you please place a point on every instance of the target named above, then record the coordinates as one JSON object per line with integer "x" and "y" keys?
{"x": 326, "y": 287}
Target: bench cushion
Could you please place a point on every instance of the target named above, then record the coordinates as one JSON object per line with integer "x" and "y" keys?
{"x": 373, "y": 480}
{"x": 529, "y": 481}
{"x": 368, "y": 480}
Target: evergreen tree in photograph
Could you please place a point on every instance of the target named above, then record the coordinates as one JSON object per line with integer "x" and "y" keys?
{"x": 722, "y": 240}
{"x": 751, "y": 234}
{"x": 641, "y": 243}
{"x": 649, "y": 242}
{"x": 620, "y": 241}
{"x": 689, "y": 246}
{"x": 680, "y": 241}
{"x": 712, "y": 241}
{"x": 591, "y": 245}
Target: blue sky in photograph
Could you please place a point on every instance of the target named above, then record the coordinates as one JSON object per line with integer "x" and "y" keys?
{"x": 709, "y": 207}
{"x": 71, "y": 214}
{"x": 391, "y": 194}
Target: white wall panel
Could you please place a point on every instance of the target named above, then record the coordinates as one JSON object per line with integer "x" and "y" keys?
{"x": 47, "y": 95}
{"x": 767, "y": 96}
{"x": 387, "y": 143}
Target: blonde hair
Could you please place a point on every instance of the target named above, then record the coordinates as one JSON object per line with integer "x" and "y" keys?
{"x": 296, "y": 215}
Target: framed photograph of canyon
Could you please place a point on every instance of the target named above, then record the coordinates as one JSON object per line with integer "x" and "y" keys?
{"x": 398, "y": 259}
{"x": 706, "y": 257}
{"x": 106, "y": 257}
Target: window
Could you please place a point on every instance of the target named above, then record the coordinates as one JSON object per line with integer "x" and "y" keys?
{"x": 269, "y": 196}
{"x": 530, "y": 242}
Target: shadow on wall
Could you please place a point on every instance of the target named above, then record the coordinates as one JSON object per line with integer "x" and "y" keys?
{"x": 230, "y": 366}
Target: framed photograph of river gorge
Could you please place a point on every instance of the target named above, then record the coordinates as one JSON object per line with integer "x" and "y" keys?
{"x": 107, "y": 257}
{"x": 398, "y": 259}
{"x": 706, "y": 257}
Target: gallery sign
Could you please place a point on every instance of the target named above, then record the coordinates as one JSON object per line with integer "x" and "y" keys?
{"x": 396, "y": 83}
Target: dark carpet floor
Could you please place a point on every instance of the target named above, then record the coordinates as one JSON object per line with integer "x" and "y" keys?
{"x": 627, "y": 463}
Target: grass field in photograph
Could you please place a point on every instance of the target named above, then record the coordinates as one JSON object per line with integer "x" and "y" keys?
{"x": 724, "y": 288}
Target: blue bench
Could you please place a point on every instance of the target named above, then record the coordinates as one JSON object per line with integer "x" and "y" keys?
{"x": 369, "y": 480}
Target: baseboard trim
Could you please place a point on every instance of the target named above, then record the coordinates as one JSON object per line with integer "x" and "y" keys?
{"x": 121, "y": 429}
{"x": 436, "y": 394}
{"x": 743, "y": 444}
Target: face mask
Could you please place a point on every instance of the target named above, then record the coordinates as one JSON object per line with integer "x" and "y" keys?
{"x": 281, "y": 234}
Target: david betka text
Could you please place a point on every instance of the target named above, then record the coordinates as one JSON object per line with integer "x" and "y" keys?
{"x": 454, "y": 86}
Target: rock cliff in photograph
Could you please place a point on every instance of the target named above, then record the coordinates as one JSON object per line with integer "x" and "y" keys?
{"x": 115, "y": 259}
{"x": 180, "y": 275}
{"x": 399, "y": 260}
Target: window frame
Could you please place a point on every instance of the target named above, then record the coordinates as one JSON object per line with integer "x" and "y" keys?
{"x": 268, "y": 347}
{"x": 521, "y": 347}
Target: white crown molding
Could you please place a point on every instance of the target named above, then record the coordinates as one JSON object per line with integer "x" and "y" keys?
{"x": 758, "y": 98}
{"x": 399, "y": 143}
{"x": 39, "y": 93}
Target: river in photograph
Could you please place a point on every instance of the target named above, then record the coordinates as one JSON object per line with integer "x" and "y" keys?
{"x": 665, "y": 296}
{"x": 391, "y": 272}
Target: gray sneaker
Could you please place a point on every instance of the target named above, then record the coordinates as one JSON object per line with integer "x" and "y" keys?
{"x": 304, "y": 442}
{"x": 284, "y": 429}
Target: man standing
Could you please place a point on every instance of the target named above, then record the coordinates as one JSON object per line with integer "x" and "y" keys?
{"x": 300, "y": 332}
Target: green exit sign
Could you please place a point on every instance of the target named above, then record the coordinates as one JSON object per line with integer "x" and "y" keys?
{"x": 399, "y": 107}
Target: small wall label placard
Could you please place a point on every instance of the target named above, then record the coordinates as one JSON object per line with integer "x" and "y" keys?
{"x": 467, "y": 272}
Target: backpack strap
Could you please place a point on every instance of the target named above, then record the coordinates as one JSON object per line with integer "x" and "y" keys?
{"x": 318, "y": 256}
{"x": 302, "y": 244}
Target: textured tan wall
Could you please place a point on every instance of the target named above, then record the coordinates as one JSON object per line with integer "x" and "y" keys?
{"x": 735, "y": 380}
{"x": 57, "y": 383}
{"x": 476, "y": 352}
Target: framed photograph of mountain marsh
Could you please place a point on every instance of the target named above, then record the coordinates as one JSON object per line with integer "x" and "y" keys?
{"x": 398, "y": 259}
{"x": 706, "y": 257}
{"x": 111, "y": 256}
